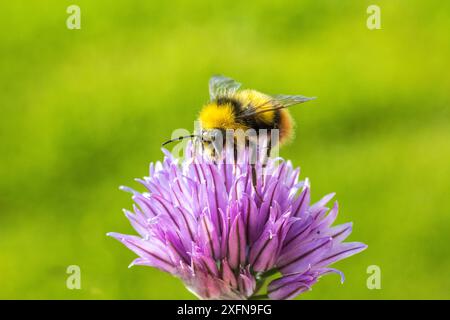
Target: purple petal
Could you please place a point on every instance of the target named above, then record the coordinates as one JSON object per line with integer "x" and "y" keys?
{"x": 325, "y": 271}
{"x": 342, "y": 251}
{"x": 306, "y": 255}
{"x": 247, "y": 284}
{"x": 289, "y": 287}
{"x": 237, "y": 243}
{"x": 263, "y": 252}
{"x": 152, "y": 252}
{"x": 341, "y": 232}
{"x": 209, "y": 236}
{"x": 322, "y": 202}
{"x": 301, "y": 203}
{"x": 228, "y": 275}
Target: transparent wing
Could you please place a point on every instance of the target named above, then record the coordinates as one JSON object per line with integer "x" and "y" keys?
{"x": 220, "y": 86}
{"x": 277, "y": 102}
{"x": 290, "y": 100}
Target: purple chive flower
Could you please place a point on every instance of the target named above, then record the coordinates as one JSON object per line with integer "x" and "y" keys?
{"x": 207, "y": 224}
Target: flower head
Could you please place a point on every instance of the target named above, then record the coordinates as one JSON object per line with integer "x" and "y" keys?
{"x": 222, "y": 234}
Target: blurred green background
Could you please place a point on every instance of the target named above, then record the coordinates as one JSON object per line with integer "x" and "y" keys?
{"x": 84, "y": 111}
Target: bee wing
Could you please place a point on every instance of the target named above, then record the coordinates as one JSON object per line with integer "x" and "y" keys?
{"x": 220, "y": 86}
{"x": 277, "y": 102}
{"x": 284, "y": 100}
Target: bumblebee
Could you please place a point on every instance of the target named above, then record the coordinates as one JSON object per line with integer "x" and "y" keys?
{"x": 230, "y": 108}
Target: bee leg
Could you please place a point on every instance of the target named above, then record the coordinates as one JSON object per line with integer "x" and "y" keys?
{"x": 254, "y": 177}
{"x": 255, "y": 182}
{"x": 267, "y": 156}
{"x": 253, "y": 152}
{"x": 269, "y": 150}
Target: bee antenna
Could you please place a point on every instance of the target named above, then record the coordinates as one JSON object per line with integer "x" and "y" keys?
{"x": 181, "y": 138}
